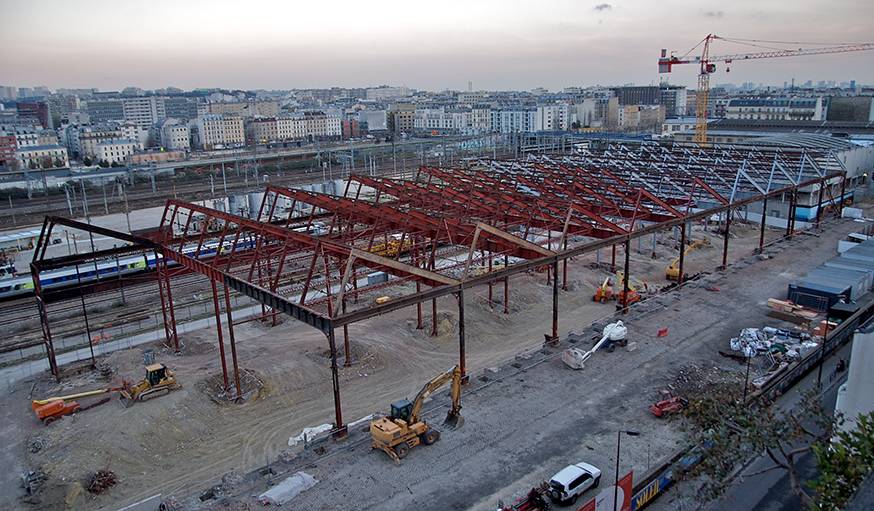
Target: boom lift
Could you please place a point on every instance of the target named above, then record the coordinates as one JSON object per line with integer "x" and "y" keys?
{"x": 615, "y": 333}
{"x": 624, "y": 299}
{"x": 404, "y": 428}
{"x": 672, "y": 272}
{"x": 604, "y": 292}
{"x": 53, "y": 408}
{"x": 708, "y": 66}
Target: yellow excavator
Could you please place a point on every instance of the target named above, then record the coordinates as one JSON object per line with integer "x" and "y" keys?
{"x": 672, "y": 272}
{"x": 404, "y": 429}
{"x": 158, "y": 381}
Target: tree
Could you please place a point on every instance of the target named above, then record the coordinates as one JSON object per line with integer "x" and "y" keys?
{"x": 737, "y": 432}
{"x": 843, "y": 464}
{"x": 103, "y": 163}
{"x": 575, "y": 125}
{"x": 86, "y": 161}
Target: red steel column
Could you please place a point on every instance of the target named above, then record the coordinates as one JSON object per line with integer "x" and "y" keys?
{"x": 339, "y": 428}
{"x": 762, "y": 227}
{"x": 613, "y": 260}
{"x": 221, "y": 342}
{"x": 552, "y": 338}
{"x": 44, "y": 322}
{"x": 506, "y": 287}
{"x": 625, "y": 285}
{"x": 725, "y": 238}
{"x": 233, "y": 343}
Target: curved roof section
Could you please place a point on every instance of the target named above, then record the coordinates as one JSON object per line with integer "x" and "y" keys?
{"x": 805, "y": 141}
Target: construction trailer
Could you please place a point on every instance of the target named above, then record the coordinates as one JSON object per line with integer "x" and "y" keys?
{"x": 508, "y": 217}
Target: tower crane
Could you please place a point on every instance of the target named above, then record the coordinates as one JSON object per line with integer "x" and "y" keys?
{"x": 707, "y": 63}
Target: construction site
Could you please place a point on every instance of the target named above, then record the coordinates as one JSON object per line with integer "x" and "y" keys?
{"x": 318, "y": 311}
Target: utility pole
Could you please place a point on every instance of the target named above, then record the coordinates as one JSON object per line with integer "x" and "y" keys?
{"x": 224, "y": 180}
{"x": 85, "y": 202}
{"x": 126, "y": 206}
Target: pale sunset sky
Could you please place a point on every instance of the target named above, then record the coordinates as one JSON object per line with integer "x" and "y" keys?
{"x": 496, "y": 44}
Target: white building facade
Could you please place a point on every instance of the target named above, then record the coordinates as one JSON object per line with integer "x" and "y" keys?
{"x": 117, "y": 150}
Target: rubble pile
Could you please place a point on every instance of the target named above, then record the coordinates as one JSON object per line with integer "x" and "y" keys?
{"x": 101, "y": 481}
{"x": 778, "y": 344}
{"x": 695, "y": 381}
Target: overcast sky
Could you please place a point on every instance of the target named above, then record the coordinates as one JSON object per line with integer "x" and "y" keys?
{"x": 496, "y": 44}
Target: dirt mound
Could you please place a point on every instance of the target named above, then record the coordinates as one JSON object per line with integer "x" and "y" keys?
{"x": 252, "y": 387}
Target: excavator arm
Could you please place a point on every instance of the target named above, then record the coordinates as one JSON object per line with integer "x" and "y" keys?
{"x": 453, "y": 375}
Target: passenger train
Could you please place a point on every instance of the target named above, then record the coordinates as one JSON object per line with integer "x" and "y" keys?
{"x": 89, "y": 272}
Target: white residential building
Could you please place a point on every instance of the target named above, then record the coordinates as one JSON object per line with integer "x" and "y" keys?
{"x": 26, "y": 139}
{"x": 89, "y": 137}
{"x": 513, "y": 121}
{"x": 136, "y": 132}
{"x": 144, "y": 111}
{"x": 777, "y": 109}
{"x": 175, "y": 135}
{"x": 218, "y": 131}
{"x": 117, "y": 150}
{"x": 42, "y": 157}
{"x": 552, "y": 118}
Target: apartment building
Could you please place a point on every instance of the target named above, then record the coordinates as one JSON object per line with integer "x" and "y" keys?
{"x": 246, "y": 108}
{"x": 175, "y": 135}
{"x": 777, "y": 109}
{"x": 42, "y": 157}
{"x": 219, "y": 131}
{"x": 116, "y": 151}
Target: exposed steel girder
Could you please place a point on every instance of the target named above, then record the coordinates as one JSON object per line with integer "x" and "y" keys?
{"x": 413, "y": 222}
{"x": 304, "y": 241}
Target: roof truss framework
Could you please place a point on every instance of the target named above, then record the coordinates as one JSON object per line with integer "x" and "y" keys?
{"x": 304, "y": 253}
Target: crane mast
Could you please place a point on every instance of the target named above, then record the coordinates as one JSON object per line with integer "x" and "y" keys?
{"x": 708, "y": 67}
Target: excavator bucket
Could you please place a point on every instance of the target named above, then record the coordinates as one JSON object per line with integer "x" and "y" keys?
{"x": 454, "y": 420}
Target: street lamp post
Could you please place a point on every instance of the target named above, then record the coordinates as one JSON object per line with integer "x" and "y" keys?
{"x": 747, "y": 378}
{"x": 616, "y": 482}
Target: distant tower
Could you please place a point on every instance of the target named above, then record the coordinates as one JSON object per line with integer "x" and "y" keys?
{"x": 469, "y": 86}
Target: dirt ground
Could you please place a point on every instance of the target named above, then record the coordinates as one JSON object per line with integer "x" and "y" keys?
{"x": 184, "y": 442}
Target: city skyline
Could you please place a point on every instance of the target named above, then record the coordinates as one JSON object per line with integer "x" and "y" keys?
{"x": 493, "y": 45}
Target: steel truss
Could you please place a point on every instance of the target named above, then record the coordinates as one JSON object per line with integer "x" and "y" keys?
{"x": 313, "y": 256}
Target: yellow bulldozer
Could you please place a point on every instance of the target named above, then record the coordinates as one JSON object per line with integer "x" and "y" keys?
{"x": 158, "y": 381}
{"x": 404, "y": 428}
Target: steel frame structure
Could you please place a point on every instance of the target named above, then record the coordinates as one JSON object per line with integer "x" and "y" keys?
{"x": 309, "y": 255}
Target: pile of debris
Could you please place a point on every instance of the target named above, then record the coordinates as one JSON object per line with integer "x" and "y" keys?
{"x": 32, "y": 481}
{"x": 101, "y": 481}
{"x": 776, "y": 344}
{"x": 694, "y": 381}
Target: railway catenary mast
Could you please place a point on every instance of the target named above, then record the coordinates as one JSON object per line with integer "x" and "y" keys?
{"x": 708, "y": 62}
